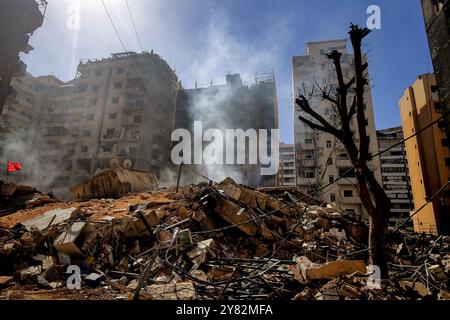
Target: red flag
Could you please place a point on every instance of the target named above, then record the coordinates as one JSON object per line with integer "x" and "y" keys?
{"x": 14, "y": 166}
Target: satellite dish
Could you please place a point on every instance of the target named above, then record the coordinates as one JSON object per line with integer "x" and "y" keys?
{"x": 127, "y": 164}
{"x": 114, "y": 163}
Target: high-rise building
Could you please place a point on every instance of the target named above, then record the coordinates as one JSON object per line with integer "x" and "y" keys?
{"x": 320, "y": 157}
{"x": 231, "y": 106}
{"x": 117, "y": 111}
{"x": 286, "y": 172}
{"x": 437, "y": 22}
{"x": 428, "y": 155}
{"x": 395, "y": 173}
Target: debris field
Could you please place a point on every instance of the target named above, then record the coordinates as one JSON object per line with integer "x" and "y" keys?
{"x": 208, "y": 241}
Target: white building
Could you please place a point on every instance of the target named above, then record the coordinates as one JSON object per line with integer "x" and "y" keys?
{"x": 286, "y": 172}
{"x": 320, "y": 157}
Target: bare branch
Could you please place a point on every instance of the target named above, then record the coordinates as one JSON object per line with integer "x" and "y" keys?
{"x": 303, "y": 103}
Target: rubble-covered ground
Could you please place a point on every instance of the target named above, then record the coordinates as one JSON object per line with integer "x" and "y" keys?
{"x": 209, "y": 241}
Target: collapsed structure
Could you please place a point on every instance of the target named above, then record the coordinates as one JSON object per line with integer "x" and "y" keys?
{"x": 210, "y": 241}
{"x": 232, "y": 106}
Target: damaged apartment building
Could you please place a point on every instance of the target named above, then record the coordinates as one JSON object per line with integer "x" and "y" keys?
{"x": 117, "y": 111}
{"x": 320, "y": 157}
{"x": 234, "y": 105}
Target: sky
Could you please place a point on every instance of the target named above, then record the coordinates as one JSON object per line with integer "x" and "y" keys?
{"x": 203, "y": 40}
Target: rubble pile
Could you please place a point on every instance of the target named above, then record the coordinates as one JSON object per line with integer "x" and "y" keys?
{"x": 210, "y": 241}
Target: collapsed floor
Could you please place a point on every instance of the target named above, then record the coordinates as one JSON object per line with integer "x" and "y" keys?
{"x": 210, "y": 241}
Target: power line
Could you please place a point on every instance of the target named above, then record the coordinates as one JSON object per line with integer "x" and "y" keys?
{"x": 134, "y": 25}
{"x": 114, "y": 26}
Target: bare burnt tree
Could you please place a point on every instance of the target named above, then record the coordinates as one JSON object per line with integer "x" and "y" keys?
{"x": 348, "y": 101}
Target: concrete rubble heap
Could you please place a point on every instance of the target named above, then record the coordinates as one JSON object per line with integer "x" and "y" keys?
{"x": 209, "y": 241}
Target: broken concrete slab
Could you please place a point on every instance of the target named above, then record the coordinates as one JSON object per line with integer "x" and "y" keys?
{"x": 49, "y": 218}
{"x": 70, "y": 241}
{"x": 333, "y": 269}
{"x": 234, "y": 214}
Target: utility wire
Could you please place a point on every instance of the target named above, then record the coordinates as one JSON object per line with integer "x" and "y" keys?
{"x": 114, "y": 26}
{"x": 134, "y": 25}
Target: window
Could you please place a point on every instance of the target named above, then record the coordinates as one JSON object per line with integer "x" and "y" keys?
{"x": 113, "y": 115}
{"x": 118, "y": 85}
{"x": 330, "y": 162}
{"x": 93, "y": 102}
{"x": 98, "y": 73}
{"x": 328, "y": 144}
{"x": 90, "y": 116}
{"x": 310, "y": 174}
{"x": 348, "y": 193}
{"x": 438, "y": 107}
{"x": 110, "y": 132}
{"x": 332, "y": 197}
{"x": 95, "y": 88}
{"x": 84, "y": 149}
{"x": 133, "y": 151}
{"x": 86, "y": 133}
{"x": 115, "y": 100}
{"x": 308, "y": 141}
{"x": 444, "y": 142}
{"x": 137, "y": 119}
{"x": 330, "y": 179}
{"x": 120, "y": 70}
{"x": 82, "y": 87}
{"x": 447, "y": 162}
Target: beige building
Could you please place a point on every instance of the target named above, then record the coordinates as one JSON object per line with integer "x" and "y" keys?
{"x": 286, "y": 172}
{"x": 320, "y": 158}
{"x": 117, "y": 111}
{"x": 428, "y": 155}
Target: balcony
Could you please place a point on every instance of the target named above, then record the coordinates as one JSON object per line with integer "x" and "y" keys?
{"x": 349, "y": 200}
{"x": 347, "y": 181}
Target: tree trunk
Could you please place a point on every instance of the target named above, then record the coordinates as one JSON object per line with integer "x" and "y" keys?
{"x": 378, "y": 230}
{"x": 377, "y": 205}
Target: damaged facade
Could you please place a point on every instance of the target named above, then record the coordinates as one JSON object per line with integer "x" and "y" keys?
{"x": 320, "y": 157}
{"x": 18, "y": 20}
{"x": 118, "y": 111}
{"x": 233, "y": 105}
{"x": 437, "y": 22}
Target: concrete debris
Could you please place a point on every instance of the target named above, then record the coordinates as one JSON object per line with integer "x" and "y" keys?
{"x": 115, "y": 182}
{"x": 208, "y": 241}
